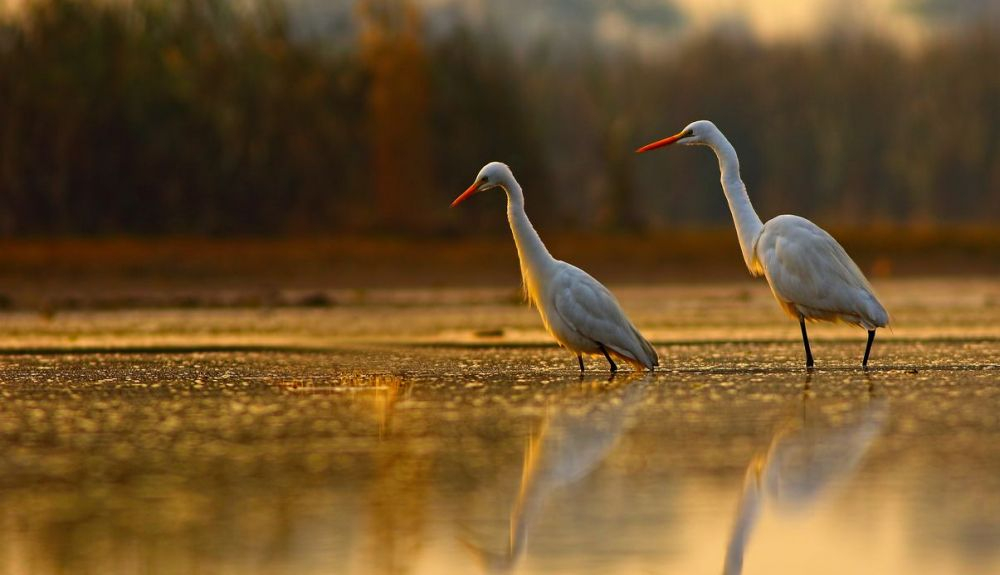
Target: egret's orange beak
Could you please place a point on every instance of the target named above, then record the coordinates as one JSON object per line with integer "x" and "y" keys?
{"x": 472, "y": 189}
{"x": 660, "y": 143}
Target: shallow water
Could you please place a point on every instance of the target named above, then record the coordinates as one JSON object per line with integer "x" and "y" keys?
{"x": 262, "y": 441}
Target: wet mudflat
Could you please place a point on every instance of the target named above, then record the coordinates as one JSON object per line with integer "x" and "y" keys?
{"x": 309, "y": 441}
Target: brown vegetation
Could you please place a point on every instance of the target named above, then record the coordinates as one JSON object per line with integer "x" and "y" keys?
{"x": 190, "y": 117}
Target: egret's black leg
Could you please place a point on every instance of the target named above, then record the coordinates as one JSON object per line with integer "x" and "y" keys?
{"x": 579, "y": 357}
{"x": 805, "y": 341}
{"x": 614, "y": 367}
{"x": 868, "y": 348}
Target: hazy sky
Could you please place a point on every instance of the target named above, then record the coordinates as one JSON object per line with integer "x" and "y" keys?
{"x": 655, "y": 24}
{"x": 651, "y": 25}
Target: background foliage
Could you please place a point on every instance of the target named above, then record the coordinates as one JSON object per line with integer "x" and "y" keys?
{"x": 195, "y": 117}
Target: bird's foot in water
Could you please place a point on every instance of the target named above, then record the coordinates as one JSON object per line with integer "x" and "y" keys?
{"x": 614, "y": 367}
{"x": 868, "y": 349}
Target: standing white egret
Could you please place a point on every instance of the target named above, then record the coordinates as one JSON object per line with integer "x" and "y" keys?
{"x": 810, "y": 274}
{"x": 579, "y": 312}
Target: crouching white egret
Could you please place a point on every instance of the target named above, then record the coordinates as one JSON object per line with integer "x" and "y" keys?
{"x": 579, "y": 312}
{"x": 810, "y": 274}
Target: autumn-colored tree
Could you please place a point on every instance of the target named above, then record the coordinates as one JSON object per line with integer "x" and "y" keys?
{"x": 227, "y": 118}
{"x": 392, "y": 51}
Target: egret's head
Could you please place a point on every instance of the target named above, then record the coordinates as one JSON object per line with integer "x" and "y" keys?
{"x": 700, "y": 132}
{"x": 493, "y": 175}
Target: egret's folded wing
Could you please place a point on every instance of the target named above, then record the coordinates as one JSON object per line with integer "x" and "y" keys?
{"x": 806, "y": 266}
{"x": 592, "y": 310}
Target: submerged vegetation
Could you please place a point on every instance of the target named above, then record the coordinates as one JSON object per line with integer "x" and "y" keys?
{"x": 193, "y": 117}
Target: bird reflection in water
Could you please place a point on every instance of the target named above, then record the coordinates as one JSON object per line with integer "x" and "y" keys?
{"x": 571, "y": 443}
{"x": 807, "y": 456}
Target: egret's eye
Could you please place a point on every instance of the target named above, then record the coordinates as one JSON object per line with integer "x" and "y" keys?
{"x": 688, "y": 133}
{"x": 486, "y": 179}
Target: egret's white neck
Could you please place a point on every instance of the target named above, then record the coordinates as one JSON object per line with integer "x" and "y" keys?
{"x": 535, "y": 259}
{"x": 748, "y": 224}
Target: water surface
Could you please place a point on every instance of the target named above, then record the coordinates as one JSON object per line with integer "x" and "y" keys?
{"x": 263, "y": 441}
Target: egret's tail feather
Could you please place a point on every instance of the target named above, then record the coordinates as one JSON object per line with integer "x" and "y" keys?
{"x": 641, "y": 356}
{"x": 651, "y": 355}
{"x": 651, "y": 358}
{"x": 635, "y": 364}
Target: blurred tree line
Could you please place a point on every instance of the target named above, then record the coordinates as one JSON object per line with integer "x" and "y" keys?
{"x": 200, "y": 117}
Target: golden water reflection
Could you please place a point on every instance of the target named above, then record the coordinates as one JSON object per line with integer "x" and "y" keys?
{"x": 426, "y": 460}
{"x": 571, "y": 442}
{"x": 808, "y": 456}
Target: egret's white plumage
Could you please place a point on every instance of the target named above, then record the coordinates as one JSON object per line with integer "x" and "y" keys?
{"x": 579, "y": 312}
{"x": 810, "y": 274}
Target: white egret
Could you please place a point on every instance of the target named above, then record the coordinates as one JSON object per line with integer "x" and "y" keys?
{"x": 810, "y": 274}
{"x": 579, "y": 312}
